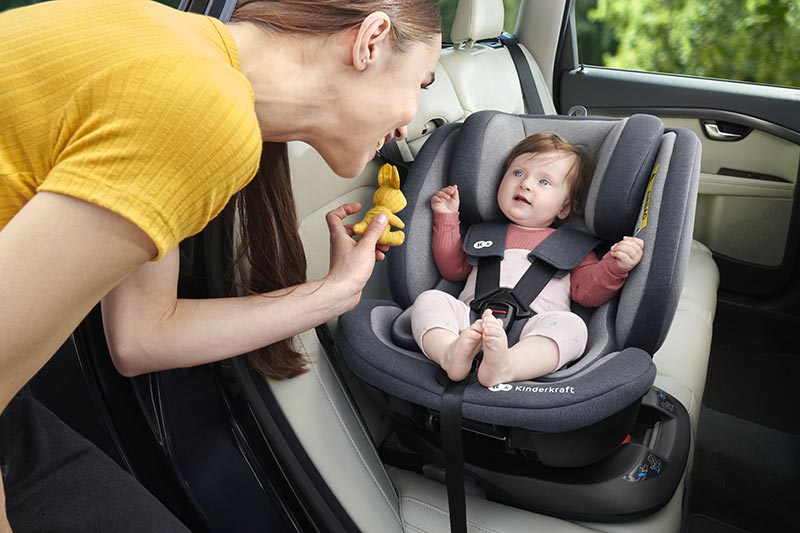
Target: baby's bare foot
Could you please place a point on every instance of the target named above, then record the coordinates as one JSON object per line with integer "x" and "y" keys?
{"x": 496, "y": 362}
{"x": 459, "y": 356}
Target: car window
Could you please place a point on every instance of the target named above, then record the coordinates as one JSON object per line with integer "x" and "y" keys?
{"x": 11, "y": 4}
{"x": 745, "y": 40}
{"x": 448, "y": 8}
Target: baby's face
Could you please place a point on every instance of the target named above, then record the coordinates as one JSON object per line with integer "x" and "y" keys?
{"x": 534, "y": 191}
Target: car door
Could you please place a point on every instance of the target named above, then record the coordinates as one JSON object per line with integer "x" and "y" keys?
{"x": 749, "y": 123}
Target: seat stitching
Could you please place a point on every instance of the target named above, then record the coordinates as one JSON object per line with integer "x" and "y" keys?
{"x": 470, "y": 524}
{"x": 349, "y": 437}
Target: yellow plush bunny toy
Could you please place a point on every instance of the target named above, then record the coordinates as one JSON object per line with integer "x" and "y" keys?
{"x": 388, "y": 199}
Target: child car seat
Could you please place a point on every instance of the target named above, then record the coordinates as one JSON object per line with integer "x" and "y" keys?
{"x": 624, "y": 442}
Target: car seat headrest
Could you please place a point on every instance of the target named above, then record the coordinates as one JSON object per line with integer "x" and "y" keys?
{"x": 621, "y": 153}
{"x": 477, "y": 19}
{"x": 439, "y": 106}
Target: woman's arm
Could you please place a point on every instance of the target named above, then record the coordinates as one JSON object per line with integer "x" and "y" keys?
{"x": 58, "y": 257}
{"x": 148, "y": 328}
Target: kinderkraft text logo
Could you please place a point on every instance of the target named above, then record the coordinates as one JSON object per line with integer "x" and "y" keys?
{"x": 505, "y": 387}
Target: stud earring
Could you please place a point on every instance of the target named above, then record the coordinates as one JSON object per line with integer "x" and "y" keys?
{"x": 364, "y": 60}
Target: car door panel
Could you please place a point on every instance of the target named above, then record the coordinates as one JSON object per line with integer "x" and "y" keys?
{"x": 749, "y": 170}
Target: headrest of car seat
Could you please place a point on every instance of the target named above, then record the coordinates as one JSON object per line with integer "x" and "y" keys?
{"x": 477, "y": 19}
{"x": 438, "y": 106}
{"x": 621, "y": 151}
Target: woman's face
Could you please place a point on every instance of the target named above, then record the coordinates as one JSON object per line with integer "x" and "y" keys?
{"x": 377, "y": 105}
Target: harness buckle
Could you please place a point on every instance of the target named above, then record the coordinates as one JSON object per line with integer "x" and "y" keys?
{"x": 504, "y": 305}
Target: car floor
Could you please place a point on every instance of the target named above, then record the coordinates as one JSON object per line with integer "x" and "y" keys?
{"x": 747, "y": 454}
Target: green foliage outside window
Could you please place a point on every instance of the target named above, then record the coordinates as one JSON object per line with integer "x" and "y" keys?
{"x": 746, "y": 40}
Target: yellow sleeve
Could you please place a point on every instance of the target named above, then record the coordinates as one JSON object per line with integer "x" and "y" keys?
{"x": 164, "y": 141}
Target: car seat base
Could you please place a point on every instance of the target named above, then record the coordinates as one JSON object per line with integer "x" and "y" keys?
{"x": 637, "y": 478}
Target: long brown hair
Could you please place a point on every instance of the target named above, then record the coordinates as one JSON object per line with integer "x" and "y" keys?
{"x": 270, "y": 241}
{"x": 270, "y": 246}
{"x": 412, "y": 20}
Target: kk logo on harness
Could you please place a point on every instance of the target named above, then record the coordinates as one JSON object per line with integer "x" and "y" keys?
{"x": 482, "y": 244}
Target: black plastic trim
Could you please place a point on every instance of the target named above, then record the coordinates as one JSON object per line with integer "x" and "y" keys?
{"x": 601, "y": 87}
{"x": 328, "y": 511}
{"x": 561, "y": 48}
{"x": 705, "y": 113}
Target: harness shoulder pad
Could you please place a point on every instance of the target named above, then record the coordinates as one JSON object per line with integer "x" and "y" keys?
{"x": 485, "y": 239}
{"x": 565, "y": 248}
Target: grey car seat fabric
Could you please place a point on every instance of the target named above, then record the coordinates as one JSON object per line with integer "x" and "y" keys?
{"x": 645, "y": 182}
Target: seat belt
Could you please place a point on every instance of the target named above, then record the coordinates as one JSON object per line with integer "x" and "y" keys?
{"x": 526, "y": 79}
{"x": 391, "y": 152}
{"x": 453, "y": 450}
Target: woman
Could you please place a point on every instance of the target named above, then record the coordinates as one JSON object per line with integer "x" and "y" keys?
{"x": 127, "y": 126}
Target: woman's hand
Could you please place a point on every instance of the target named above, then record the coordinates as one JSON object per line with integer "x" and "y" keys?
{"x": 628, "y": 252}
{"x": 446, "y": 200}
{"x": 351, "y": 261}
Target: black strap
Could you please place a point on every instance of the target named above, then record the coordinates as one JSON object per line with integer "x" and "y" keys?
{"x": 392, "y": 154}
{"x": 533, "y": 281}
{"x": 526, "y": 80}
{"x": 487, "y": 279}
{"x": 450, "y": 413}
{"x": 561, "y": 251}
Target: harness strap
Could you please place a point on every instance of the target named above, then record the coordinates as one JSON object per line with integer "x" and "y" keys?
{"x": 487, "y": 279}
{"x": 559, "y": 253}
{"x": 533, "y": 281}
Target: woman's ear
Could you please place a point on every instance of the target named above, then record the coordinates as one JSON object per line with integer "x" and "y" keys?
{"x": 374, "y": 30}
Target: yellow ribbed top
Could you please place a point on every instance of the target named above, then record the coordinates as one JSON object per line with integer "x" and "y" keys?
{"x": 127, "y": 104}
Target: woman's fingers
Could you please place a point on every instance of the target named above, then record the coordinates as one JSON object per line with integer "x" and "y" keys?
{"x": 334, "y": 218}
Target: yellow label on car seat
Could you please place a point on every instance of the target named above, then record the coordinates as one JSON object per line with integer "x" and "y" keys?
{"x": 646, "y": 208}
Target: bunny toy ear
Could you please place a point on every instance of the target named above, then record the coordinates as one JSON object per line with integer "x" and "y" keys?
{"x": 388, "y": 176}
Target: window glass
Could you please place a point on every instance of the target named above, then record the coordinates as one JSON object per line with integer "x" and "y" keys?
{"x": 449, "y": 10}
{"x": 11, "y": 4}
{"x": 745, "y": 40}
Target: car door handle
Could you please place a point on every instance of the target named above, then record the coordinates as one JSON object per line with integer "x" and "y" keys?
{"x": 724, "y": 131}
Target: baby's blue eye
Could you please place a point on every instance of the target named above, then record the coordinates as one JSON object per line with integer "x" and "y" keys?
{"x": 544, "y": 181}
{"x": 518, "y": 173}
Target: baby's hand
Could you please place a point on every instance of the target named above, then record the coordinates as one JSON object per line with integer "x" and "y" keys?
{"x": 628, "y": 252}
{"x": 445, "y": 200}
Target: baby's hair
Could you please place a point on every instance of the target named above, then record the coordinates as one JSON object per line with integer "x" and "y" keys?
{"x": 548, "y": 142}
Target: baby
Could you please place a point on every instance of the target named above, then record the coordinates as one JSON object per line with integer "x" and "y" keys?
{"x": 542, "y": 182}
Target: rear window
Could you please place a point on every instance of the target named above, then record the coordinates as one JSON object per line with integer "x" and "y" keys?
{"x": 449, "y": 10}
{"x": 745, "y": 40}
